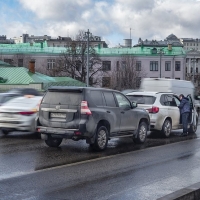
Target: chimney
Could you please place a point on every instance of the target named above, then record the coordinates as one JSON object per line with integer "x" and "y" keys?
{"x": 32, "y": 66}
{"x": 169, "y": 47}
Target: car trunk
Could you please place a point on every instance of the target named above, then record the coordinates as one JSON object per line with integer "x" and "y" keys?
{"x": 61, "y": 109}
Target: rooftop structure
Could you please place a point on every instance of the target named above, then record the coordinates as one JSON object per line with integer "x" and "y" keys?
{"x": 42, "y": 48}
{"x": 171, "y": 39}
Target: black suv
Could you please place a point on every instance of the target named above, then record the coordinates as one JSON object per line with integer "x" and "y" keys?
{"x": 94, "y": 114}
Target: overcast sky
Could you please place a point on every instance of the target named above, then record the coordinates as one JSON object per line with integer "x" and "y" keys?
{"x": 111, "y": 19}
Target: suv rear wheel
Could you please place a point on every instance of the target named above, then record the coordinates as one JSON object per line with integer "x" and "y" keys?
{"x": 53, "y": 142}
{"x": 101, "y": 139}
{"x": 166, "y": 128}
{"x": 142, "y": 133}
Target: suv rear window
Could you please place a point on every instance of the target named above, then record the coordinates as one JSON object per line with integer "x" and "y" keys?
{"x": 70, "y": 98}
{"x": 142, "y": 99}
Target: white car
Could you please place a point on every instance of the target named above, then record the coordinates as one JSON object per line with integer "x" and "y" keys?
{"x": 163, "y": 111}
{"x": 19, "y": 114}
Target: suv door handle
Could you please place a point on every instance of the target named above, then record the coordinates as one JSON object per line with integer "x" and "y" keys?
{"x": 122, "y": 112}
{"x": 108, "y": 111}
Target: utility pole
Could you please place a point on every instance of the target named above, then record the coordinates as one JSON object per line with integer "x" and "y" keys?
{"x": 87, "y": 69}
{"x": 193, "y": 71}
{"x": 161, "y": 53}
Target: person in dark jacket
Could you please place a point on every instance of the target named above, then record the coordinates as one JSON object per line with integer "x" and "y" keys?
{"x": 185, "y": 112}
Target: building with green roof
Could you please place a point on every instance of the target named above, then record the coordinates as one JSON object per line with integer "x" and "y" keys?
{"x": 17, "y": 77}
{"x": 165, "y": 62}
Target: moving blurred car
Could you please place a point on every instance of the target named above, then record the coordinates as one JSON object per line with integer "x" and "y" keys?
{"x": 19, "y": 114}
{"x": 7, "y": 96}
{"x": 163, "y": 110}
{"x": 25, "y": 91}
{"x": 17, "y": 92}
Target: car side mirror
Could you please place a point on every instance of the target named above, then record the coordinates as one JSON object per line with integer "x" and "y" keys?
{"x": 134, "y": 104}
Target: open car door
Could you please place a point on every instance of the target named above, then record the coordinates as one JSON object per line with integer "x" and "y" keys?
{"x": 193, "y": 117}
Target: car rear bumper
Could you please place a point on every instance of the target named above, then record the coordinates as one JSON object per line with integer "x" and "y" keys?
{"x": 15, "y": 126}
{"x": 60, "y": 132}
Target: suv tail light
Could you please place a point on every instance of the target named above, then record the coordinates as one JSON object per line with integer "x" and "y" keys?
{"x": 84, "y": 108}
{"x": 154, "y": 109}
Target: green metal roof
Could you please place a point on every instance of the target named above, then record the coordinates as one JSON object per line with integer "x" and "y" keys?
{"x": 15, "y": 75}
{"x": 137, "y": 51}
{"x": 42, "y": 48}
{"x": 21, "y": 75}
{"x": 4, "y": 64}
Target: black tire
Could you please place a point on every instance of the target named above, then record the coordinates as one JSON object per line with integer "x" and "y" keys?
{"x": 53, "y": 142}
{"x": 101, "y": 139}
{"x": 141, "y": 133}
{"x": 166, "y": 128}
{"x": 5, "y": 131}
{"x": 193, "y": 128}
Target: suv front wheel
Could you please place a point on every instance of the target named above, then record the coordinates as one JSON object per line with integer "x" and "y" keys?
{"x": 53, "y": 142}
{"x": 101, "y": 139}
{"x": 142, "y": 133}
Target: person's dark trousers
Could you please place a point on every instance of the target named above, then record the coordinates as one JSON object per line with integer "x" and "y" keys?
{"x": 185, "y": 117}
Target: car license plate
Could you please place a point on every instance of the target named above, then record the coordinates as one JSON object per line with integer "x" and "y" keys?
{"x": 58, "y": 115}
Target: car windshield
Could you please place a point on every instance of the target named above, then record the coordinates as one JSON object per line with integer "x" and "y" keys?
{"x": 142, "y": 99}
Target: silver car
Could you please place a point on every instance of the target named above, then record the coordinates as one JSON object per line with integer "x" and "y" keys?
{"x": 163, "y": 111}
{"x": 19, "y": 114}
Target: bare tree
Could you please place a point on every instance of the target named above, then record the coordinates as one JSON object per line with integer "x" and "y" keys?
{"x": 73, "y": 61}
{"x": 128, "y": 73}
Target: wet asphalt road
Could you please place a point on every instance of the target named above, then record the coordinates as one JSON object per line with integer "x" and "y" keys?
{"x": 31, "y": 170}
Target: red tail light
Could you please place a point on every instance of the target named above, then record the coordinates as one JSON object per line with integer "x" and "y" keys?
{"x": 84, "y": 108}
{"x": 27, "y": 113}
{"x": 154, "y": 109}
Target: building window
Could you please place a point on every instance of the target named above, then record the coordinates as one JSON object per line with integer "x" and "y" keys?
{"x": 138, "y": 82}
{"x": 105, "y": 81}
{"x": 197, "y": 70}
{"x": 153, "y": 65}
{"x": 138, "y": 65}
{"x": 123, "y": 64}
{"x": 50, "y": 63}
{"x": 8, "y": 61}
{"x": 20, "y": 62}
{"x": 168, "y": 66}
{"x": 177, "y": 66}
{"x": 191, "y": 70}
{"x": 117, "y": 65}
{"x": 186, "y": 70}
{"x": 106, "y": 66}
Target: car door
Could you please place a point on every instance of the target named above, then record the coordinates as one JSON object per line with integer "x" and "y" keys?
{"x": 192, "y": 110}
{"x": 128, "y": 118}
{"x": 112, "y": 112}
{"x": 173, "y": 110}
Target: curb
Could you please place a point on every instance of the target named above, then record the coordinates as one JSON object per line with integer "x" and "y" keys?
{"x": 189, "y": 193}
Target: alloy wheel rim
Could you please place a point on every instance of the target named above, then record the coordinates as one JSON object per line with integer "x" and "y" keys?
{"x": 142, "y": 133}
{"x": 102, "y": 139}
{"x": 167, "y": 129}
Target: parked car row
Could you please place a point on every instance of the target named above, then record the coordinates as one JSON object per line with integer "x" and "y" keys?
{"x": 96, "y": 115}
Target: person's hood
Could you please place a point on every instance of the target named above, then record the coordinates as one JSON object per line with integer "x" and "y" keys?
{"x": 185, "y": 98}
